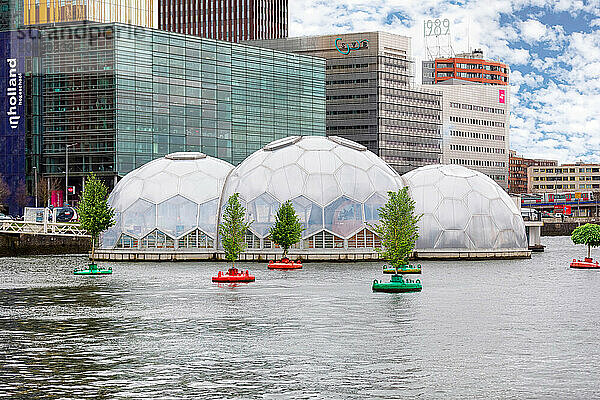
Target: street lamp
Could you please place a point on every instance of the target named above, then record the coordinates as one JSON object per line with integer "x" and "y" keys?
{"x": 67, "y": 171}
{"x": 35, "y": 179}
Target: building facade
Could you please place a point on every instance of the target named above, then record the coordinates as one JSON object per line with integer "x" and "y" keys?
{"x": 124, "y": 95}
{"x": 471, "y": 67}
{"x": 476, "y": 121}
{"x": 230, "y": 20}
{"x": 518, "y": 165}
{"x": 371, "y": 98}
{"x": 564, "y": 178}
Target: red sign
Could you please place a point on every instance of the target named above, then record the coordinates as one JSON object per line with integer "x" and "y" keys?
{"x": 563, "y": 209}
{"x": 567, "y": 210}
{"x": 71, "y": 189}
{"x": 501, "y": 94}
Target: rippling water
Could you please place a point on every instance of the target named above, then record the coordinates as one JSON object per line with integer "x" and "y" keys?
{"x": 497, "y": 329}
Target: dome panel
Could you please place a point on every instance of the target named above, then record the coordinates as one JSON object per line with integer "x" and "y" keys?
{"x": 139, "y": 219}
{"x": 152, "y": 168}
{"x": 453, "y": 214}
{"x": 358, "y": 159}
{"x": 122, "y": 199}
{"x": 355, "y": 181}
{"x": 181, "y": 168}
{"x": 454, "y": 239}
{"x": 200, "y": 188}
{"x": 453, "y": 187}
{"x": 160, "y": 187}
{"x": 343, "y": 216}
{"x": 316, "y": 143}
{"x": 429, "y": 232}
{"x": 177, "y": 216}
{"x": 207, "y": 217}
{"x": 482, "y": 231}
{"x": 501, "y": 214}
{"x": 262, "y": 211}
{"x": 372, "y": 206}
{"x": 287, "y": 182}
{"x": 309, "y": 214}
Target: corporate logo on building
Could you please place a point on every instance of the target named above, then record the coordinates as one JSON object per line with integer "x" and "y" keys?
{"x": 14, "y": 93}
{"x": 501, "y": 94}
{"x": 345, "y": 48}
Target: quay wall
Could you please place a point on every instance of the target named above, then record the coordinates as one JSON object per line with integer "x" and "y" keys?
{"x": 15, "y": 245}
{"x": 560, "y": 228}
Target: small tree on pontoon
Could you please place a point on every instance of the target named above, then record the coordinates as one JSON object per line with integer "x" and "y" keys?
{"x": 397, "y": 228}
{"x": 588, "y": 234}
{"x": 287, "y": 230}
{"x": 95, "y": 215}
{"x": 232, "y": 229}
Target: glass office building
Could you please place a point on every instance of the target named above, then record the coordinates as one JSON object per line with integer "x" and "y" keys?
{"x": 121, "y": 96}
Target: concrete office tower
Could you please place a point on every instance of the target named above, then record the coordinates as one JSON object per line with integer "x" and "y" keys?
{"x": 231, "y": 20}
{"x": 134, "y": 12}
{"x": 476, "y": 122}
{"x": 471, "y": 67}
{"x": 370, "y": 96}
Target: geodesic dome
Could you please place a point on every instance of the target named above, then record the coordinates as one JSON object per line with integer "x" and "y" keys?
{"x": 463, "y": 209}
{"x": 335, "y": 185}
{"x": 167, "y": 203}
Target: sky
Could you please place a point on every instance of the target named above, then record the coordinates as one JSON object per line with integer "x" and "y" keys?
{"x": 552, "y": 47}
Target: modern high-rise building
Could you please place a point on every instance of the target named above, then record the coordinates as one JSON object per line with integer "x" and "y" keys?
{"x": 230, "y": 20}
{"x": 476, "y": 120}
{"x": 471, "y": 67}
{"x": 371, "y": 98}
{"x": 120, "y": 96}
{"x": 16, "y": 14}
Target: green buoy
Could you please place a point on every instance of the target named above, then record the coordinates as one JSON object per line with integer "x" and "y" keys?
{"x": 397, "y": 285}
{"x": 93, "y": 269}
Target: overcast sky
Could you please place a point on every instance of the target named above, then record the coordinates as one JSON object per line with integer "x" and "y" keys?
{"x": 552, "y": 47}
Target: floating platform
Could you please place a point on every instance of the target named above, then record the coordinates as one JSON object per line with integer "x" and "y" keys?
{"x": 93, "y": 269}
{"x": 285, "y": 264}
{"x": 397, "y": 285}
{"x": 233, "y": 276}
{"x": 587, "y": 263}
{"x": 408, "y": 269}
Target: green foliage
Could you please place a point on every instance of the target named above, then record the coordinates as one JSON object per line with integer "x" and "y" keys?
{"x": 95, "y": 215}
{"x": 588, "y": 234}
{"x": 232, "y": 229}
{"x": 398, "y": 228}
{"x": 287, "y": 230}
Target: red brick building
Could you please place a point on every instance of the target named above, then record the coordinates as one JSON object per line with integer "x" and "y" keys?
{"x": 517, "y": 171}
{"x": 230, "y": 20}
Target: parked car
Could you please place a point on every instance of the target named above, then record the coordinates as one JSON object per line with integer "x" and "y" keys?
{"x": 4, "y": 217}
{"x": 66, "y": 214}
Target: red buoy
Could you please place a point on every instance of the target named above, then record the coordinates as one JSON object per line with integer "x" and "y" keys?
{"x": 285, "y": 263}
{"x": 587, "y": 263}
{"x": 233, "y": 276}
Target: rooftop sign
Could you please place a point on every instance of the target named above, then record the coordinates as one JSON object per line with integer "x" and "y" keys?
{"x": 345, "y": 49}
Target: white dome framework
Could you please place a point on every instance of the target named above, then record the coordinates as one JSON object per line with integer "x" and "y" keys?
{"x": 335, "y": 185}
{"x": 169, "y": 203}
{"x": 463, "y": 210}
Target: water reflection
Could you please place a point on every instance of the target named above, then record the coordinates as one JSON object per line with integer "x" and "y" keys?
{"x": 164, "y": 330}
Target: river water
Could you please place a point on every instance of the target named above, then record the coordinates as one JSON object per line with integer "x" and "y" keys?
{"x": 488, "y": 329}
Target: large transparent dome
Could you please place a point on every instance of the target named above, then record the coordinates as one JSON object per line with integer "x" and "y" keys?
{"x": 335, "y": 185}
{"x": 169, "y": 202}
{"x": 463, "y": 209}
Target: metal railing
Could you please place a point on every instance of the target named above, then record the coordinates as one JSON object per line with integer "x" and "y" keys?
{"x": 43, "y": 228}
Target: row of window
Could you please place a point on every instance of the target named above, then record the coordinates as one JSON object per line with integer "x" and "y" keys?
{"x": 485, "y": 67}
{"x": 566, "y": 178}
{"x": 475, "y": 121}
{"x": 568, "y": 186}
{"x": 477, "y": 108}
{"x": 570, "y": 170}
{"x": 347, "y": 66}
{"x": 477, "y": 149}
{"x": 477, "y": 135}
{"x": 478, "y": 163}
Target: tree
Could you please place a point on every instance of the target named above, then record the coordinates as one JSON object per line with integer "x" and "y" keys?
{"x": 588, "y": 234}
{"x": 21, "y": 196}
{"x": 45, "y": 188}
{"x": 233, "y": 228}
{"x": 287, "y": 230}
{"x": 95, "y": 215}
{"x": 398, "y": 228}
{"x": 4, "y": 190}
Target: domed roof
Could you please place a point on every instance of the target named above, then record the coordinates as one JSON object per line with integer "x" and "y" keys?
{"x": 463, "y": 209}
{"x": 334, "y": 183}
{"x": 174, "y": 194}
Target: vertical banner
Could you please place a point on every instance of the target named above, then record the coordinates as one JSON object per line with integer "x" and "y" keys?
{"x": 15, "y": 48}
{"x": 501, "y": 94}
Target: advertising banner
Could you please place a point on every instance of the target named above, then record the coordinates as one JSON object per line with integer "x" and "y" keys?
{"x": 15, "y": 48}
{"x": 501, "y": 96}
